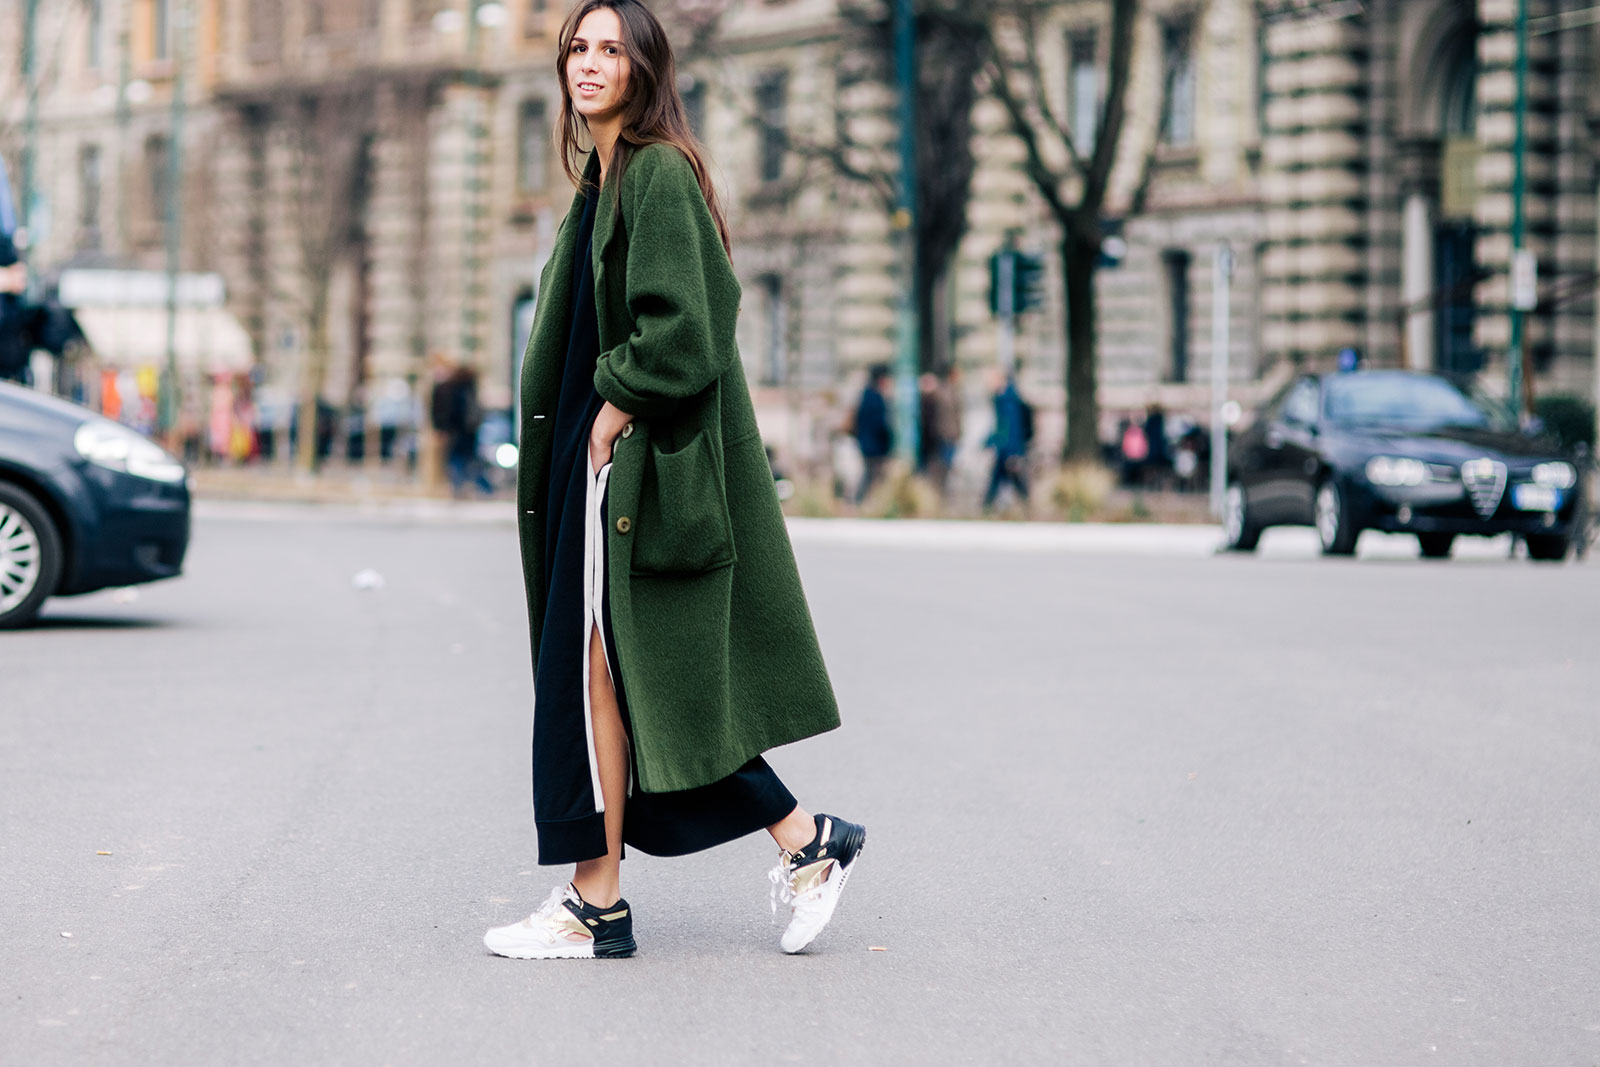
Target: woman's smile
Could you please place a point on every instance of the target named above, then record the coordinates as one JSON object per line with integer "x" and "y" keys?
{"x": 597, "y": 66}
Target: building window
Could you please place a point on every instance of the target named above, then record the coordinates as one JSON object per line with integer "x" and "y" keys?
{"x": 161, "y": 28}
{"x": 772, "y": 98}
{"x": 533, "y": 146}
{"x": 775, "y": 370}
{"x": 1178, "y": 105}
{"x": 93, "y": 48}
{"x": 265, "y": 26}
{"x": 536, "y": 18}
{"x": 694, "y": 107}
{"x": 156, "y": 151}
{"x": 1176, "y": 264}
{"x": 1262, "y": 61}
{"x": 1083, "y": 90}
{"x": 89, "y": 195}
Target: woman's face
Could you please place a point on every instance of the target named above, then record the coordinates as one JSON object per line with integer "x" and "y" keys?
{"x": 597, "y": 68}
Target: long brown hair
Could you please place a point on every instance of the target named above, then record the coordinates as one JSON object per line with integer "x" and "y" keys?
{"x": 652, "y": 110}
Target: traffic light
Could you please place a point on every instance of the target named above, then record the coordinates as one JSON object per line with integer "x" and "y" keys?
{"x": 1019, "y": 276}
{"x": 1027, "y": 279}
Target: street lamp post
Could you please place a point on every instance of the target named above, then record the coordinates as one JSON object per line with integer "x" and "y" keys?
{"x": 30, "y": 132}
{"x": 905, "y": 220}
{"x": 1519, "y": 152}
{"x": 173, "y": 217}
{"x": 1221, "y": 275}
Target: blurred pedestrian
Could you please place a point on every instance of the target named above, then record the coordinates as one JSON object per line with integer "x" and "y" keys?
{"x": 663, "y": 665}
{"x": 1013, "y": 430}
{"x": 1134, "y": 448}
{"x": 1158, "y": 463}
{"x": 941, "y": 424}
{"x": 873, "y": 434}
{"x": 457, "y": 416}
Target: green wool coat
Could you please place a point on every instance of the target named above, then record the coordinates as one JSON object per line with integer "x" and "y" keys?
{"x": 719, "y": 658}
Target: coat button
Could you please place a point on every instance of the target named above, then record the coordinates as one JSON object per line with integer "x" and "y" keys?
{"x": 627, "y": 431}
{"x": 624, "y": 524}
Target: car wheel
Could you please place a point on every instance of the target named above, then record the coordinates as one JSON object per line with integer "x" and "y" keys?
{"x": 1241, "y": 532}
{"x": 30, "y": 556}
{"x": 1547, "y": 548}
{"x": 1435, "y": 545}
{"x": 1335, "y": 529}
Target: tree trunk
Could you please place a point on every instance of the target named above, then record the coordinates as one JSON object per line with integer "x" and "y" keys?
{"x": 311, "y": 391}
{"x": 927, "y": 317}
{"x": 1079, "y": 261}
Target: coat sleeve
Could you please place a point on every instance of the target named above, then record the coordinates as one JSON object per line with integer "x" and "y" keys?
{"x": 682, "y": 296}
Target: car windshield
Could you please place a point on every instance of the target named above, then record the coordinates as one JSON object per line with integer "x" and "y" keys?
{"x": 1411, "y": 401}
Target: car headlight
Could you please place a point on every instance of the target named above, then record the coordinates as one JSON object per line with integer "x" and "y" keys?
{"x": 1555, "y": 475}
{"x": 1396, "y": 470}
{"x": 118, "y": 448}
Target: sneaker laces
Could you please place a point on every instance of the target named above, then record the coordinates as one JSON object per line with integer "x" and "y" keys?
{"x": 782, "y": 879}
{"x": 558, "y": 896}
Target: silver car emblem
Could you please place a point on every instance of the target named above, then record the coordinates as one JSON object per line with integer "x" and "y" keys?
{"x": 1485, "y": 480}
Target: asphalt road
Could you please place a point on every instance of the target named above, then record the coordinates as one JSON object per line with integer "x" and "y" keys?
{"x": 1125, "y": 808}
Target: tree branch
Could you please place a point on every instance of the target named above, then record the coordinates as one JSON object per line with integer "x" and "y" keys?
{"x": 1038, "y": 170}
{"x": 1041, "y": 94}
{"x": 1124, "y": 14}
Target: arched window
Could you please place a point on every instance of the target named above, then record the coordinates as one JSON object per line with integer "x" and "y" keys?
{"x": 1459, "y": 101}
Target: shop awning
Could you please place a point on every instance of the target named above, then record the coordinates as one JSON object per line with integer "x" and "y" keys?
{"x": 208, "y": 340}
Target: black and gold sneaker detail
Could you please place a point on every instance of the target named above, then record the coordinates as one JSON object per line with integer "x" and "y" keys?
{"x": 567, "y": 927}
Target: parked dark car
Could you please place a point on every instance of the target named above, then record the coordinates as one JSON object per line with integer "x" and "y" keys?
{"x": 85, "y": 504}
{"x": 1401, "y": 452}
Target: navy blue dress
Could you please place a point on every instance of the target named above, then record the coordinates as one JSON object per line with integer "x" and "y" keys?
{"x": 567, "y": 804}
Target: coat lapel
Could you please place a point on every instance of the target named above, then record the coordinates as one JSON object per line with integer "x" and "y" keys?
{"x": 605, "y": 228}
{"x": 541, "y": 367}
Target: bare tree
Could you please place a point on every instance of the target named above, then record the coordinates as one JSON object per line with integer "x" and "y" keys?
{"x": 951, "y": 52}
{"x": 326, "y": 135}
{"x": 1073, "y": 185}
{"x": 951, "y": 48}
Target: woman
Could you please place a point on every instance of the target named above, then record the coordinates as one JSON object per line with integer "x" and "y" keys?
{"x": 671, "y": 640}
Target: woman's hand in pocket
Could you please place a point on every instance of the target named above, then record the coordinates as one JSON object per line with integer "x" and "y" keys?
{"x": 608, "y": 426}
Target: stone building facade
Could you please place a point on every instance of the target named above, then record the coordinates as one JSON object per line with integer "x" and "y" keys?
{"x": 1355, "y": 158}
{"x": 1387, "y": 182}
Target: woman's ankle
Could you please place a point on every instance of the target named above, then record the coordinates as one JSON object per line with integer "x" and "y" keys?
{"x": 795, "y": 831}
{"x": 598, "y": 890}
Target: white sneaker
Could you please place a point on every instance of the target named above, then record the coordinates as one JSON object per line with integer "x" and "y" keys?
{"x": 810, "y": 881}
{"x": 566, "y": 928}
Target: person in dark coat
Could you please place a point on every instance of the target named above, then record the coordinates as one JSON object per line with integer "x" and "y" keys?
{"x": 671, "y": 641}
{"x": 941, "y": 424}
{"x": 1013, "y": 428}
{"x": 874, "y": 436}
{"x": 457, "y": 416}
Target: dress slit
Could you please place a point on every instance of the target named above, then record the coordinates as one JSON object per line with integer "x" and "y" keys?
{"x": 568, "y": 803}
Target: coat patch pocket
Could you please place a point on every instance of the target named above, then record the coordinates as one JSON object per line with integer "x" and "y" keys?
{"x": 682, "y": 524}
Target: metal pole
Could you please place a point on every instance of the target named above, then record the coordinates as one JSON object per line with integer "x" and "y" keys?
{"x": 1222, "y": 271}
{"x": 1006, "y": 305}
{"x": 1596, "y": 365}
{"x": 168, "y": 409}
{"x": 1519, "y": 151}
{"x": 30, "y": 135}
{"x": 474, "y": 149}
{"x": 907, "y": 409}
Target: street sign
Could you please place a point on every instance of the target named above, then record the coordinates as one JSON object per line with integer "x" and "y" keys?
{"x": 1524, "y": 280}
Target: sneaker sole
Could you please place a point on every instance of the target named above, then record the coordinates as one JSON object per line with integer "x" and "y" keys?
{"x": 617, "y": 951}
{"x": 844, "y": 876}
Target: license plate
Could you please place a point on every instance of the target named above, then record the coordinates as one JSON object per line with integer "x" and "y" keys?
{"x": 1535, "y": 498}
